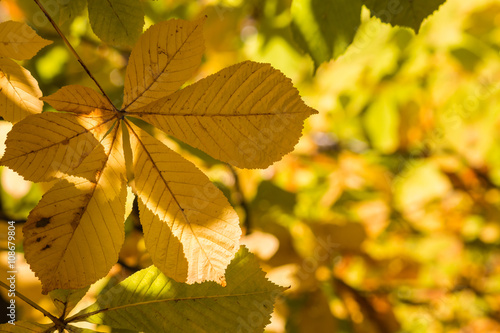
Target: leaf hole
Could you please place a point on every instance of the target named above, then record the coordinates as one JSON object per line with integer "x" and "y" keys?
{"x": 42, "y": 222}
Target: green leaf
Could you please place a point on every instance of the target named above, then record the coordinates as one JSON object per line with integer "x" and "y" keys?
{"x": 407, "y": 13}
{"x": 324, "y": 29}
{"x": 118, "y": 22}
{"x": 66, "y": 299}
{"x": 148, "y": 301}
{"x": 63, "y": 12}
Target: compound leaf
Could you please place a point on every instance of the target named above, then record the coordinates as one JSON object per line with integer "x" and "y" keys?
{"x": 190, "y": 229}
{"x": 118, "y": 22}
{"x": 148, "y": 301}
{"x": 19, "y": 92}
{"x": 248, "y": 115}
{"x": 165, "y": 56}
{"x": 407, "y": 13}
{"x": 19, "y": 41}
{"x": 74, "y": 234}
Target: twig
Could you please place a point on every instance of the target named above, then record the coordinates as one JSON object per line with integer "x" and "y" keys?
{"x": 34, "y": 305}
{"x": 73, "y": 51}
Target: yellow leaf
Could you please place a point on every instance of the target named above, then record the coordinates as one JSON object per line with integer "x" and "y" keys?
{"x": 19, "y": 92}
{"x": 19, "y": 41}
{"x": 165, "y": 56}
{"x": 49, "y": 145}
{"x": 78, "y": 99}
{"x": 74, "y": 234}
{"x": 248, "y": 115}
{"x": 190, "y": 229}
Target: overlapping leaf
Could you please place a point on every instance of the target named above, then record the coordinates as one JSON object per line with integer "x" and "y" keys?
{"x": 190, "y": 228}
{"x": 74, "y": 235}
{"x": 148, "y": 301}
{"x": 117, "y": 22}
{"x": 19, "y": 41}
{"x": 406, "y": 13}
{"x": 19, "y": 92}
{"x": 66, "y": 299}
{"x": 78, "y": 99}
{"x": 48, "y": 145}
{"x": 325, "y": 28}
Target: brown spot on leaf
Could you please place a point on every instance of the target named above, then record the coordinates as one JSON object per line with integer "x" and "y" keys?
{"x": 42, "y": 222}
{"x": 46, "y": 247}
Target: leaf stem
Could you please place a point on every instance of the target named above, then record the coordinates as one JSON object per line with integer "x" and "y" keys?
{"x": 33, "y": 304}
{"x": 73, "y": 51}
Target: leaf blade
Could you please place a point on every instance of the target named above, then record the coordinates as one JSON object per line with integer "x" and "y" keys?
{"x": 73, "y": 236}
{"x": 236, "y": 115}
{"x": 19, "y": 92}
{"x": 19, "y": 41}
{"x": 45, "y": 146}
{"x": 324, "y": 29}
{"x": 66, "y": 299}
{"x": 190, "y": 229}
{"x": 78, "y": 99}
{"x": 406, "y": 13}
{"x": 149, "y": 295}
{"x": 165, "y": 56}
{"x": 118, "y": 22}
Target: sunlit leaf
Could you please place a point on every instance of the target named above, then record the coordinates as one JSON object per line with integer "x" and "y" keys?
{"x": 19, "y": 92}
{"x": 77, "y": 99}
{"x": 163, "y": 59}
{"x": 74, "y": 234}
{"x": 248, "y": 115}
{"x": 48, "y": 145}
{"x": 190, "y": 229}
{"x": 118, "y": 22}
{"x": 148, "y": 301}
{"x": 19, "y": 41}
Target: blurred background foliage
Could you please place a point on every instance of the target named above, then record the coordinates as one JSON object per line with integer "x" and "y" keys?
{"x": 386, "y": 217}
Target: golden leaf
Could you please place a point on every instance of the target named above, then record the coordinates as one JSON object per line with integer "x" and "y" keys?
{"x": 190, "y": 229}
{"x": 78, "y": 99}
{"x": 19, "y": 41}
{"x": 166, "y": 55}
{"x": 74, "y": 234}
{"x": 248, "y": 115}
{"x": 49, "y": 145}
{"x": 19, "y": 92}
